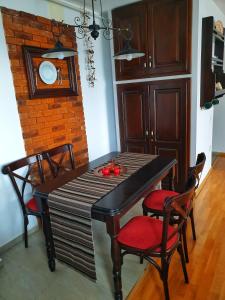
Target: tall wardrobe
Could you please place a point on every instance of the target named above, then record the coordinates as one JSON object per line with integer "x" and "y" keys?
{"x": 154, "y": 114}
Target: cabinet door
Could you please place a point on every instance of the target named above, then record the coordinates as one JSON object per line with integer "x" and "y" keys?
{"x": 132, "y": 16}
{"x": 169, "y": 37}
{"x": 169, "y": 118}
{"x": 133, "y": 113}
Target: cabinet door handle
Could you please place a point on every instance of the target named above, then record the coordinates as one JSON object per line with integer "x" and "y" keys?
{"x": 145, "y": 65}
{"x": 150, "y": 61}
{"x": 152, "y": 133}
{"x": 146, "y": 133}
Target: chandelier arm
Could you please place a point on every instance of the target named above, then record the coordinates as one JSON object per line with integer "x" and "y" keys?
{"x": 84, "y": 7}
{"x": 107, "y": 34}
{"x": 79, "y": 22}
{"x": 81, "y": 26}
{"x": 93, "y": 11}
{"x": 113, "y": 28}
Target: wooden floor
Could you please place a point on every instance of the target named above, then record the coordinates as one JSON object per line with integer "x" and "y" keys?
{"x": 206, "y": 268}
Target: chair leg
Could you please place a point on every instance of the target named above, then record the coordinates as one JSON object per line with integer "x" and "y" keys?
{"x": 26, "y": 221}
{"x": 184, "y": 229}
{"x": 164, "y": 277}
{"x": 193, "y": 225}
{"x": 181, "y": 252}
{"x": 145, "y": 212}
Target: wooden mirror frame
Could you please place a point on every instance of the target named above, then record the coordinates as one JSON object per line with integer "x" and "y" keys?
{"x": 32, "y": 52}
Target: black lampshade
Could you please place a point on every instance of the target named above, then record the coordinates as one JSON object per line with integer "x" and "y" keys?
{"x": 128, "y": 52}
{"x": 59, "y": 52}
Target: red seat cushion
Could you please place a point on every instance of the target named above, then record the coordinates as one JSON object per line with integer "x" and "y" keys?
{"x": 32, "y": 205}
{"x": 155, "y": 200}
{"x": 145, "y": 232}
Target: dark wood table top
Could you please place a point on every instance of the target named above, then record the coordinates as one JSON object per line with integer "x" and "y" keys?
{"x": 122, "y": 197}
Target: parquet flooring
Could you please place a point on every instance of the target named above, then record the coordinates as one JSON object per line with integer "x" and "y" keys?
{"x": 206, "y": 268}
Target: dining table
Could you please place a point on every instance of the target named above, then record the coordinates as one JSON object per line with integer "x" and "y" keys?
{"x": 112, "y": 206}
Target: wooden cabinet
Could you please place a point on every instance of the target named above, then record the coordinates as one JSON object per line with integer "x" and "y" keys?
{"x": 162, "y": 30}
{"x": 132, "y": 16}
{"x": 133, "y": 116}
{"x": 154, "y": 118}
{"x": 212, "y": 63}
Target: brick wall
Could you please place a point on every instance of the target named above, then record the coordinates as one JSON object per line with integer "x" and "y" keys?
{"x": 47, "y": 122}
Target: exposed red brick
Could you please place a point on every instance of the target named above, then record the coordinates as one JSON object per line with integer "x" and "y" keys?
{"x": 44, "y": 20}
{"x": 59, "y": 139}
{"x": 30, "y": 134}
{"x": 22, "y": 35}
{"x": 9, "y": 32}
{"x": 47, "y": 122}
{"x": 58, "y": 128}
{"x": 40, "y": 38}
{"x": 7, "y": 11}
{"x": 14, "y": 41}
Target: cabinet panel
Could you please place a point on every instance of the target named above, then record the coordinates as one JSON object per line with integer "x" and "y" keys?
{"x": 169, "y": 41}
{"x": 169, "y": 121}
{"x": 133, "y": 117}
{"x": 155, "y": 118}
{"x": 132, "y": 16}
{"x": 162, "y": 30}
{"x": 166, "y": 114}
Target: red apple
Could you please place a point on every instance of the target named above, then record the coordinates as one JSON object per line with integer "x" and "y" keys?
{"x": 105, "y": 171}
{"x": 116, "y": 170}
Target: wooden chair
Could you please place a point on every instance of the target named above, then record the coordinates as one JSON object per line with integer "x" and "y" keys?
{"x": 60, "y": 159}
{"x": 153, "y": 203}
{"x": 31, "y": 169}
{"x": 152, "y": 238}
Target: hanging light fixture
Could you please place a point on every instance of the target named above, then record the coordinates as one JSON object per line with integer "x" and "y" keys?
{"x": 59, "y": 51}
{"x": 127, "y": 52}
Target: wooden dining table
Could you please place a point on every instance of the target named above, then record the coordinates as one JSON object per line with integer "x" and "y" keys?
{"x": 110, "y": 208}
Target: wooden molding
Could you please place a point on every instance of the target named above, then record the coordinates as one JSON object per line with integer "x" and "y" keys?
{"x": 203, "y": 182}
{"x": 220, "y": 154}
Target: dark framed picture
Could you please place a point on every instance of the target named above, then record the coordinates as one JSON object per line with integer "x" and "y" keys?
{"x": 49, "y": 77}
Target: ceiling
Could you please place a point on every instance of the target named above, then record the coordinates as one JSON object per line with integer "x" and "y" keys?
{"x": 220, "y": 4}
{"x": 108, "y": 4}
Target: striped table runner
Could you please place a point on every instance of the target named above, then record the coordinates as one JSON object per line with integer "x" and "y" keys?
{"x": 70, "y": 212}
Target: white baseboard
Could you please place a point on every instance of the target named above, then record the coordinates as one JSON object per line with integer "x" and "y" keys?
{"x": 15, "y": 241}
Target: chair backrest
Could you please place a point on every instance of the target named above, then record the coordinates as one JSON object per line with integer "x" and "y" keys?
{"x": 31, "y": 167}
{"x": 198, "y": 168}
{"x": 60, "y": 159}
{"x": 179, "y": 204}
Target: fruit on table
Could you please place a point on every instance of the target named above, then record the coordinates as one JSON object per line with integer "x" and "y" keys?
{"x": 105, "y": 171}
{"x": 117, "y": 170}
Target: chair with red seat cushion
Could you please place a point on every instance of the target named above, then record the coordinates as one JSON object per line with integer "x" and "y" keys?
{"x": 25, "y": 174}
{"x": 32, "y": 205}
{"x": 60, "y": 159}
{"x": 153, "y": 203}
{"x": 152, "y": 238}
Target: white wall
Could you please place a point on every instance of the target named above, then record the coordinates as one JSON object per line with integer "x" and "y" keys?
{"x": 219, "y": 127}
{"x": 98, "y": 109}
{"x": 12, "y": 147}
{"x": 204, "y": 124}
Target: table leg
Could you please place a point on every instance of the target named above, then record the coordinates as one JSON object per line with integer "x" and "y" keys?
{"x": 113, "y": 226}
{"x": 47, "y": 233}
{"x": 49, "y": 241}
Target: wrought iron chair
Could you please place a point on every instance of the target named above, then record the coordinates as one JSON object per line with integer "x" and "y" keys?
{"x": 152, "y": 238}
{"x": 153, "y": 203}
{"x": 60, "y": 159}
{"x": 32, "y": 171}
